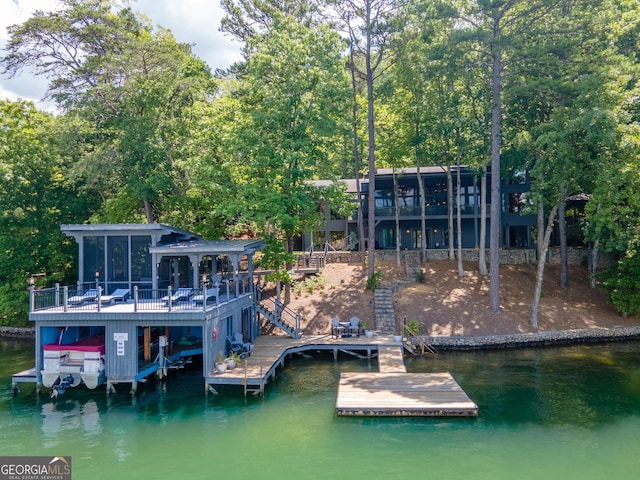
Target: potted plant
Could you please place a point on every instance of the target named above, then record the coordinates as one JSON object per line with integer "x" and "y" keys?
{"x": 221, "y": 365}
{"x": 233, "y": 360}
{"x": 367, "y": 328}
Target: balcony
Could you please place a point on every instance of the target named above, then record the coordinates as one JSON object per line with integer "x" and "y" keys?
{"x": 414, "y": 211}
{"x": 89, "y": 299}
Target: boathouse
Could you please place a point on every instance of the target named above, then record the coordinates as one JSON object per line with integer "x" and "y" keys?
{"x": 149, "y": 298}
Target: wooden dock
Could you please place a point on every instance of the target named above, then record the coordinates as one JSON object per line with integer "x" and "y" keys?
{"x": 395, "y": 393}
{"x": 402, "y": 394}
{"x": 392, "y": 392}
{"x": 270, "y": 352}
{"x": 390, "y": 360}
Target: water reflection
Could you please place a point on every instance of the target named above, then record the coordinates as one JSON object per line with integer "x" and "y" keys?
{"x": 75, "y": 416}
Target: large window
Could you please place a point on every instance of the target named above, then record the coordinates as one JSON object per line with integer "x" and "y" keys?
{"x": 93, "y": 258}
{"x": 140, "y": 258}
{"x": 118, "y": 258}
{"x": 384, "y": 198}
{"x": 407, "y": 196}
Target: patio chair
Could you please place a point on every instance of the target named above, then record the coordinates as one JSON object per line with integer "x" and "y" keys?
{"x": 337, "y": 328}
{"x": 354, "y": 326}
{"x": 236, "y": 344}
{"x": 210, "y": 294}
{"x": 180, "y": 295}
{"x": 88, "y": 297}
{"x": 233, "y": 346}
{"x": 119, "y": 295}
{"x": 247, "y": 347}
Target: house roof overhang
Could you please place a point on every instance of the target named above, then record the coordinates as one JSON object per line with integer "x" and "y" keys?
{"x": 80, "y": 230}
{"x": 210, "y": 247}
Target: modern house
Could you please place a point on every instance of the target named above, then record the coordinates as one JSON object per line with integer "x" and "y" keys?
{"x": 149, "y": 298}
{"x": 342, "y": 232}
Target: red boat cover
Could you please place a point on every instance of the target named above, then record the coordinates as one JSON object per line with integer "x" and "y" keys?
{"x": 90, "y": 344}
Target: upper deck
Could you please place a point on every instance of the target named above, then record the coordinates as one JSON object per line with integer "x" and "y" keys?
{"x": 62, "y": 302}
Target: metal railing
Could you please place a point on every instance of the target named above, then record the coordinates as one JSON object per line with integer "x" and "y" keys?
{"x": 284, "y": 317}
{"x": 89, "y": 298}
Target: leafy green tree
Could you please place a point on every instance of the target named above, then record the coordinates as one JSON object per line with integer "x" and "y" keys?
{"x": 247, "y": 19}
{"x": 293, "y": 98}
{"x": 133, "y": 87}
{"x": 35, "y": 198}
{"x": 369, "y": 25}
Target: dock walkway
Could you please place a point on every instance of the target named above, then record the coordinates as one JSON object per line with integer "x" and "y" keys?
{"x": 392, "y": 392}
{"x": 270, "y": 352}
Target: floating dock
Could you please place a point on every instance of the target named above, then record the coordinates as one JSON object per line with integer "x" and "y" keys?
{"x": 402, "y": 395}
{"x": 395, "y": 393}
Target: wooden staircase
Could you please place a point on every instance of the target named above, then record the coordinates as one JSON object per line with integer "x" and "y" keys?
{"x": 281, "y": 316}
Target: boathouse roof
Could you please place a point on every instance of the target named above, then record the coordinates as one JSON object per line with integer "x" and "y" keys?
{"x": 210, "y": 247}
{"x": 128, "y": 228}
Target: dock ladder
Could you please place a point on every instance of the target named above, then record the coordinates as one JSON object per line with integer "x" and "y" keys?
{"x": 415, "y": 344}
{"x": 255, "y": 389}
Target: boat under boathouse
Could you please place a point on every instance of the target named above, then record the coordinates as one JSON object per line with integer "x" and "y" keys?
{"x": 149, "y": 297}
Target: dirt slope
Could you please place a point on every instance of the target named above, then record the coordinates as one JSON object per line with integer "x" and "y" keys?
{"x": 447, "y": 305}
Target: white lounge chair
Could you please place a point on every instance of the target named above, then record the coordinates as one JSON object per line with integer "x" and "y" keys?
{"x": 119, "y": 295}
{"x": 210, "y": 294}
{"x": 87, "y": 297}
{"x": 179, "y": 295}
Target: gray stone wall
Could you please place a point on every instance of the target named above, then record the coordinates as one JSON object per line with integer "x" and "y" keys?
{"x": 577, "y": 256}
{"x": 595, "y": 335}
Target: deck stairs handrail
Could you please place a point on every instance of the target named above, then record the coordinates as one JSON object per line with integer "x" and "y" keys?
{"x": 281, "y": 316}
{"x": 415, "y": 344}
{"x": 311, "y": 262}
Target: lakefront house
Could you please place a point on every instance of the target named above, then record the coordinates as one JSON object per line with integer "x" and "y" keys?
{"x": 341, "y": 232}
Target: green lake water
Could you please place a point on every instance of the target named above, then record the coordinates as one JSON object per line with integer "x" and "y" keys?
{"x": 549, "y": 413}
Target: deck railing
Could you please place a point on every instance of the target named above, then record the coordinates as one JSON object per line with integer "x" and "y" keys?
{"x": 89, "y": 298}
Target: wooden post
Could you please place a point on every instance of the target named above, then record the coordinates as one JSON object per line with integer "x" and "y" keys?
{"x": 147, "y": 344}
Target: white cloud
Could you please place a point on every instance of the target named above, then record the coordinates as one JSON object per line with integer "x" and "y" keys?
{"x": 195, "y": 22}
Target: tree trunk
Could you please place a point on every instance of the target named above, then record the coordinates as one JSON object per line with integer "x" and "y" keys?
{"x": 461, "y": 273}
{"x": 541, "y": 264}
{"x": 562, "y": 229}
{"x": 496, "y": 111}
{"x": 148, "y": 211}
{"x": 540, "y": 236}
{"x": 397, "y": 215}
{"x": 451, "y": 246}
{"x": 423, "y": 212}
{"x": 482, "y": 254}
{"x": 372, "y": 159}
{"x": 288, "y": 266}
{"x": 356, "y": 157}
{"x": 593, "y": 258}
{"x": 593, "y": 263}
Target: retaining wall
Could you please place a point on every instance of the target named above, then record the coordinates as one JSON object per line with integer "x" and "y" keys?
{"x": 576, "y": 256}
{"x": 595, "y": 335}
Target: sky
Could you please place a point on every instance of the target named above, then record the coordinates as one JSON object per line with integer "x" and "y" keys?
{"x": 196, "y": 22}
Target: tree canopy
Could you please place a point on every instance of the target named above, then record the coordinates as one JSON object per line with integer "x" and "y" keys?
{"x": 145, "y": 132}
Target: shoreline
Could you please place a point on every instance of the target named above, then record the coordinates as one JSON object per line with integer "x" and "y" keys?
{"x": 17, "y": 332}
{"x": 523, "y": 340}
{"x": 511, "y": 340}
